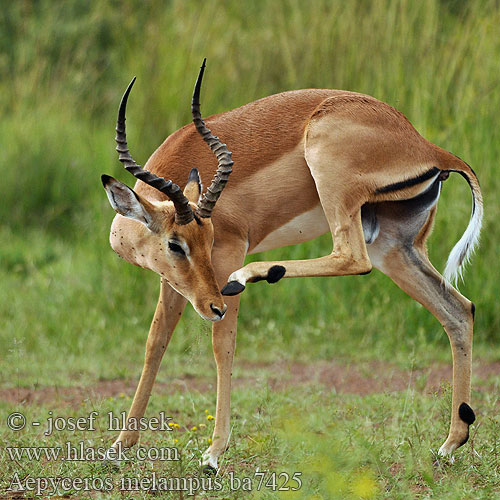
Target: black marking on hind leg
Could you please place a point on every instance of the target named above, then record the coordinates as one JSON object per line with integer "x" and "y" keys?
{"x": 466, "y": 414}
{"x": 473, "y": 311}
{"x": 275, "y": 273}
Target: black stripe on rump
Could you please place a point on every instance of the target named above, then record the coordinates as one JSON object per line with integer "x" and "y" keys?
{"x": 409, "y": 182}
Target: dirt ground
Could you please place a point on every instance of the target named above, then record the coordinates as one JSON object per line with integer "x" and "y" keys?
{"x": 348, "y": 379}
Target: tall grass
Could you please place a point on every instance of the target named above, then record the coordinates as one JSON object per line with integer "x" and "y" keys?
{"x": 64, "y": 67}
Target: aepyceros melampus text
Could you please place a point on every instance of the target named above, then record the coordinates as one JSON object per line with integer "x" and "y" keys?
{"x": 306, "y": 162}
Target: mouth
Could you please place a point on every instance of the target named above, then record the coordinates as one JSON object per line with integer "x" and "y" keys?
{"x": 217, "y": 316}
{"x": 215, "y": 319}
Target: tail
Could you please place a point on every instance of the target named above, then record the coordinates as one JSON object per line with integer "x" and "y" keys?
{"x": 463, "y": 250}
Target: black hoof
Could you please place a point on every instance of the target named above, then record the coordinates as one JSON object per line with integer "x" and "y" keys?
{"x": 275, "y": 273}
{"x": 208, "y": 470}
{"x": 232, "y": 288}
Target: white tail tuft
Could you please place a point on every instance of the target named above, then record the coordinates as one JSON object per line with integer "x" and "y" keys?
{"x": 463, "y": 250}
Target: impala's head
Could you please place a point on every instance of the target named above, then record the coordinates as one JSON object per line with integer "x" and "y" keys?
{"x": 174, "y": 238}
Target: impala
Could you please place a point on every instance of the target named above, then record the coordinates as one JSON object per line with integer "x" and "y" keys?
{"x": 307, "y": 162}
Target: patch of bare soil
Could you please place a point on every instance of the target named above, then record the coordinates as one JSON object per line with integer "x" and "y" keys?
{"x": 375, "y": 377}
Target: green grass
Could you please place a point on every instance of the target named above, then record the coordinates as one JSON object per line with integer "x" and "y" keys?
{"x": 73, "y": 314}
{"x": 377, "y": 446}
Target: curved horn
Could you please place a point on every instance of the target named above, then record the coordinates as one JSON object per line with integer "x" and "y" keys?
{"x": 183, "y": 212}
{"x": 225, "y": 164}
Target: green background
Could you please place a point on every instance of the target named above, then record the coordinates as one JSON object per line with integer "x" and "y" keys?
{"x": 72, "y": 313}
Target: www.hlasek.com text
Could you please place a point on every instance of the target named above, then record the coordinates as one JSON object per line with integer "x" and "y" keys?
{"x": 79, "y": 452}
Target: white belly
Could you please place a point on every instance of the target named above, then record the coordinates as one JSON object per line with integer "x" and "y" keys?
{"x": 304, "y": 227}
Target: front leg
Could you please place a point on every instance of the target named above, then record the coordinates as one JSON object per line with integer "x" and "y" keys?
{"x": 168, "y": 311}
{"x": 225, "y": 260}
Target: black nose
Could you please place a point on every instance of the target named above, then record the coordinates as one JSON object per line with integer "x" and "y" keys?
{"x": 217, "y": 311}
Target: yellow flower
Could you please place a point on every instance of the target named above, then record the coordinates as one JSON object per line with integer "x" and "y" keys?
{"x": 176, "y": 440}
{"x": 364, "y": 486}
{"x": 177, "y": 426}
{"x": 210, "y": 417}
{"x": 206, "y": 411}
{"x": 171, "y": 424}
{"x": 209, "y": 440}
{"x": 194, "y": 428}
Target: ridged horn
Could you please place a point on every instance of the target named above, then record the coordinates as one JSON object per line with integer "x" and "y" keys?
{"x": 183, "y": 212}
{"x": 225, "y": 163}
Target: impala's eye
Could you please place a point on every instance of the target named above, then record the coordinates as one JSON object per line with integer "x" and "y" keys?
{"x": 175, "y": 247}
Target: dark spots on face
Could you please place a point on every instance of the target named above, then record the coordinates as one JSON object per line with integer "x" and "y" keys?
{"x": 473, "y": 311}
{"x": 275, "y": 273}
{"x": 232, "y": 288}
{"x": 466, "y": 414}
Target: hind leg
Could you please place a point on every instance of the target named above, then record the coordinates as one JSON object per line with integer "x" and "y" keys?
{"x": 411, "y": 270}
{"x": 348, "y": 257}
{"x": 342, "y": 208}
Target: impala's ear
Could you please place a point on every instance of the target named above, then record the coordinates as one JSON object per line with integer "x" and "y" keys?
{"x": 127, "y": 202}
{"x": 192, "y": 191}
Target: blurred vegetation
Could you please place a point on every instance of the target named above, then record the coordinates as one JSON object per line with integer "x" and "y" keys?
{"x": 77, "y": 311}
{"x": 72, "y": 313}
